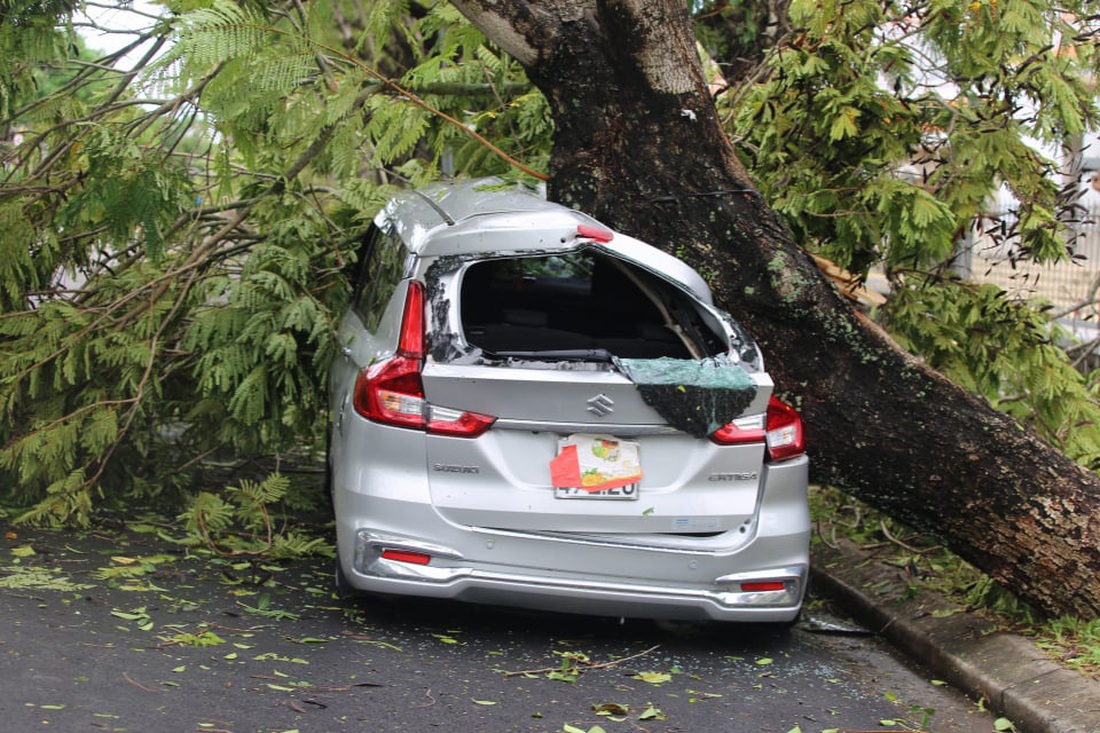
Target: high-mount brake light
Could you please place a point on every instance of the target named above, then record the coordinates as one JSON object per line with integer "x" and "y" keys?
{"x": 591, "y": 231}
{"x": 780, "y": 430}
{"x": 391, "y": 391}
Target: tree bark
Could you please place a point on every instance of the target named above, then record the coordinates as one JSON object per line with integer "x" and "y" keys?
{"x": 639, "y": 146}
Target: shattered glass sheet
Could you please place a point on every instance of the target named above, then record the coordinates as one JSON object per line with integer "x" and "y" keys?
{"x": 695, "y": 396}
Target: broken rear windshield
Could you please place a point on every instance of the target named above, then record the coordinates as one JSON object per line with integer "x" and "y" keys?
{"x": 567, "y": 306}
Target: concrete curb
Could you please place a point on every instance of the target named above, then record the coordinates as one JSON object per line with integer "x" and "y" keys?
{"x": 1017, "y": 679}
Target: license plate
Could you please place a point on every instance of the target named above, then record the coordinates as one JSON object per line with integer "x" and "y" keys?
{"x": 596, "y": 467}
{"x": 622, "y": 493}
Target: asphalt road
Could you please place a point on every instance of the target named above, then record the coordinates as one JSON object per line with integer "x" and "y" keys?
{"x": 123, "y": 633}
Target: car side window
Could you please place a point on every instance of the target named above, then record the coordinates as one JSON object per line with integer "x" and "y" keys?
{"x": 382, "y": 259}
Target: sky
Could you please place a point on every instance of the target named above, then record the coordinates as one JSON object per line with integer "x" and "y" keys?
{"x": 115, "y": 24}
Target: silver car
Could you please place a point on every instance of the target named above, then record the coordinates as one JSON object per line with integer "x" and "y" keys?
{"x": 532, "y": 410}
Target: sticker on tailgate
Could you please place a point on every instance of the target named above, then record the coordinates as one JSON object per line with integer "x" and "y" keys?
{"x": 596, "y": 467}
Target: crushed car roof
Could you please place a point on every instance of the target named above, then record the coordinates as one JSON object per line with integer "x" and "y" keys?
{"x": 490, "y": 216}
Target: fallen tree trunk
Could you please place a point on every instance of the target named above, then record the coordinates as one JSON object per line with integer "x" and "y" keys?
{"x": 639, "y": 146}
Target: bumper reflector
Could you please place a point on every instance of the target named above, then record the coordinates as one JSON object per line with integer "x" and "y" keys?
{"x": 413, "y": 558}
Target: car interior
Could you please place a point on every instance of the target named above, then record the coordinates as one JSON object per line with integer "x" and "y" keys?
{"x": 585, "y": 302}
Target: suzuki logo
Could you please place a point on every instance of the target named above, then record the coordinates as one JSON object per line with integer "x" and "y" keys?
{"x": 601, "y": 405}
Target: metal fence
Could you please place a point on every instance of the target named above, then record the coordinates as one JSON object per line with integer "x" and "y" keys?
{"x": 1069, "y": 285}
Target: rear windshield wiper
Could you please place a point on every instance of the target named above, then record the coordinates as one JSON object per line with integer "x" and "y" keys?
{"x": 599, "y": 355}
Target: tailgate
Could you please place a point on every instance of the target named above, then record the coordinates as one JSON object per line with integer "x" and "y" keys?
{"x": 502, "y": 480}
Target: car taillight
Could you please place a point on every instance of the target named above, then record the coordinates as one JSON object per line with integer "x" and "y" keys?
{"x": 391, "y": 391}
{"x": 784, "y": 431}
{"x": 781, "y": 431}
{"x": 411, "y": 341}
{"x": 459, "y": 423}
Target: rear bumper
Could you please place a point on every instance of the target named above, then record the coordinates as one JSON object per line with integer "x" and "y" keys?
{"x": 688, "y": 580}
{"x": 448, "y": 576}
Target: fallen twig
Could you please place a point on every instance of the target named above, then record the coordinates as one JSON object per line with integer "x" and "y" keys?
{"x": 896, "y": 541}
{"x": 587, "y": 665}
{"x": 431, "y": 700}
{"x": 138, "y": 685}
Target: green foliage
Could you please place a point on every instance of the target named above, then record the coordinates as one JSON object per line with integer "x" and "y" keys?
{"x": 32, "y": 33}
{"x": 248, "y": 520}
{"x": 242, "y": 520}
{"x": 872, "y": 173}
{"x": 203, "y": 639}
{"x": 1004, "y": 350}
{"x": 881, "y": 130}
{"x": 28, "y": 578}
{"x": 173, "y": 246}
{"x": 1074, "y": 641}
{"x": 126, "y": 568}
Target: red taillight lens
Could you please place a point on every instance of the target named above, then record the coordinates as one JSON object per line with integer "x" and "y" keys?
{"x": 411, "y": 341}
{"x": 738, "y": 433}
{"x": 445, "y": 421}
{"x": 391, "y": 391}
{"x": 782, "y": 432}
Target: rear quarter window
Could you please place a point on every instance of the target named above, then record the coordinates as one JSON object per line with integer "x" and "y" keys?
{"x": 382, "y": 265}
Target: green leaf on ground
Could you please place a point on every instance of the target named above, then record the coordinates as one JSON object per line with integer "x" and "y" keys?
{"x": 653, "y": 678}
